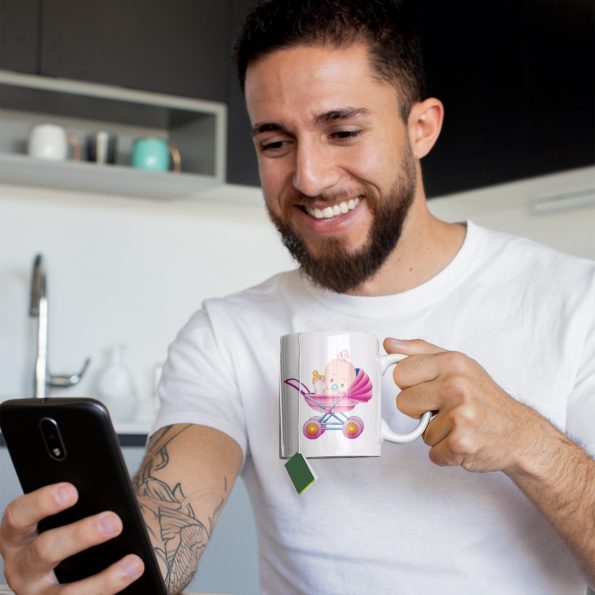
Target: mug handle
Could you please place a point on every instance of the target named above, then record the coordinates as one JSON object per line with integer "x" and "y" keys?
{"x": 385, "y": 432}
{"x": 176, "y": 158}
{"x": 74, "y": 141}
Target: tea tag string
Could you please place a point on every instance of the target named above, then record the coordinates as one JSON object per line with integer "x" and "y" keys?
{"x": 298, "y": 467}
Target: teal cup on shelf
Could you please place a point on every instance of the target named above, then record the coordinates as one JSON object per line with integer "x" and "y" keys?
{"x": 155, "y": 154}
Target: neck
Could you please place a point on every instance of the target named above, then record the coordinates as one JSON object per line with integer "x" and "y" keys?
{"x": 425, "y": 247}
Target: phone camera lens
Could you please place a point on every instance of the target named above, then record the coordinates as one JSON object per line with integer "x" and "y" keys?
{"x": 52, "y": 438}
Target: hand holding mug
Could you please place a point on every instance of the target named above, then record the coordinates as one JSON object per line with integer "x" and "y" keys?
{"x": 478, "y": 426}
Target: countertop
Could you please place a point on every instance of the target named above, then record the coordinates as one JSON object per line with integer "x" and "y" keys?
{"x": 130, "y": 434}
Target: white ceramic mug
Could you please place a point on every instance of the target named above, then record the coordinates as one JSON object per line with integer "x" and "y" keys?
{"x": 51, "y": 142}
{"x": 330, "y": 396}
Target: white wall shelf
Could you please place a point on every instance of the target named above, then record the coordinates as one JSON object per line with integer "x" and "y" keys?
{"x": 197, "y": 128}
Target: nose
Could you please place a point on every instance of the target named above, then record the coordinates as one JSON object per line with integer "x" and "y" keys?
{"x": 315, "y": 169}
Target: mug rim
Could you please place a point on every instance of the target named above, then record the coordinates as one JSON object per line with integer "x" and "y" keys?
{"x": 48, "y": 125}
{"x": 141, "y": 138}
{"x": 329, "y": 333}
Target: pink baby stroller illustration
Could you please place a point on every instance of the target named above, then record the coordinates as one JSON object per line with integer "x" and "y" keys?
{"x": 332, "y": 399}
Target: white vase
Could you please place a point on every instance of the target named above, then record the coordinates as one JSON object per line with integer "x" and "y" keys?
{"x": 116, "y": 388}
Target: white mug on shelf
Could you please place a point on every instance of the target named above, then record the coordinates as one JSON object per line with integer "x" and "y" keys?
{"x": 51, "y": 142}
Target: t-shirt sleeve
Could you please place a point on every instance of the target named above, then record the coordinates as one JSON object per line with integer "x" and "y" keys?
{"x": 581, "y": 403}
{"x": 198, "y": 383}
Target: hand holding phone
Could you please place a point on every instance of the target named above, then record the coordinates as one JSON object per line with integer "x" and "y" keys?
{"x": 87, "y": 529}
{"x": 30, "y": 558}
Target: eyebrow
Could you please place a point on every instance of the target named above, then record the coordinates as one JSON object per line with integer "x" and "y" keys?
{"x": 338, "y": 114}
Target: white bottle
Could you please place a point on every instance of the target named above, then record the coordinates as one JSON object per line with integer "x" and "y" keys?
{"x": 116, "y": 389}
{"x": 148, "y": 406}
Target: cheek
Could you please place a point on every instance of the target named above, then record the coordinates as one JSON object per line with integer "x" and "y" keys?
{"x": 374, "y": 166}
{"x": 275, "y": 178}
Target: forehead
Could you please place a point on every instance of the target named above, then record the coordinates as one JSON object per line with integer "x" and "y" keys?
{"x": 313, "y": 79}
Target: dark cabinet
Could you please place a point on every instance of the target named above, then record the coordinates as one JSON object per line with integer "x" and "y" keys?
{"x": 19, "y": 35}
{"x": 517, "y": 79}
{"x": 241, "y": 156}
{"x": 176, "y": 47}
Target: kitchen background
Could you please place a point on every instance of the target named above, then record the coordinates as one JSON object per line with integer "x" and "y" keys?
{"x": 130, "y": 254}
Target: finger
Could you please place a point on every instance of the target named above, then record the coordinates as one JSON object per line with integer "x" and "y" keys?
{"x": 442, "y": 454}
{"x": 411, "y": 346}
{"x": 419, "y": 398}
{"x": 438, "y": 429}
{"x": 55, "y": 545}
{"x": 19, "y": 523}
{"x": 112, "y": 580}
{"x": 452, "y": 367}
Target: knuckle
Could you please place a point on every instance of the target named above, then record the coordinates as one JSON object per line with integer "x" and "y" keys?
{"x": 468, "y": 416}
{"x": 460, "y": 443}
{"x": 427, "y": 438}
{"x": 81, "y": 532}
{"x": 11, "y": 518}
{"x": 456, "y": 385}
{"x": 436, "y": 457}
{"x": 456, "y": 362}
{"x": 11, "y": 575}
{"x": 40, "y": 550}
{"x": 404, "y": 402}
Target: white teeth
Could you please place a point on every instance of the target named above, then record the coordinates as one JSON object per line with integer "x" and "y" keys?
{"x": 329, "y": 212}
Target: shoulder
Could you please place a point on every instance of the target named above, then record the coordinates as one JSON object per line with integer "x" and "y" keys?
{"x": 273, "y": 291}
{"x": 267, "y": 303}
{"x": 516, "y": 258}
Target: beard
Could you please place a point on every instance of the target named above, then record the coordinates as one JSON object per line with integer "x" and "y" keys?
{"x": 342, "y": 270}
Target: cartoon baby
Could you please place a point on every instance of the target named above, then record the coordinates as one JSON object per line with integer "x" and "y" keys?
{"x": 339, "y": 374}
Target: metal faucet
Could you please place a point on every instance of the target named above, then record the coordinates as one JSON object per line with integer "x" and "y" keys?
{"x": 39, "y": 309}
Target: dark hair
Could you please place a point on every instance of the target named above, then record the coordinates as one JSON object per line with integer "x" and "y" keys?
{"x": 385, "y": 25}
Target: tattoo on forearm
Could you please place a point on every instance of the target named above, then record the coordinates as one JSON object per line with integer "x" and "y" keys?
{"x": 178, "y": 536}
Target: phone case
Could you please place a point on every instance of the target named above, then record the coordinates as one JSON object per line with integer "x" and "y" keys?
{"x": 72, "y": 439}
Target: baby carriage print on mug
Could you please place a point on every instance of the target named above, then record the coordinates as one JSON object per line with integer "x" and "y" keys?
{"x": 333, "y": 396}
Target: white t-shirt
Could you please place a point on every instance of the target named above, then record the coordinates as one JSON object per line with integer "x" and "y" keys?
{"x": 398, "y": 523}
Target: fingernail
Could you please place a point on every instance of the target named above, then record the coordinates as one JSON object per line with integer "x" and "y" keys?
{"x": 396, "y": 341}
{"x": 64, "y": 494}
{"x": 108, "y": 524}
{"x": 132, "y": 567}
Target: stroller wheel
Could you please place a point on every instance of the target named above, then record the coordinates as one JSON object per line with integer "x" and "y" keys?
{"x": 313, "y": 428}
{"x": 353, "y": 427}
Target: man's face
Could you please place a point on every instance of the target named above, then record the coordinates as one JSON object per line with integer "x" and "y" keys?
{"x": 335, "y": 163}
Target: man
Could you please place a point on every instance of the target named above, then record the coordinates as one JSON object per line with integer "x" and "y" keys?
{"x": 340, "y": 122}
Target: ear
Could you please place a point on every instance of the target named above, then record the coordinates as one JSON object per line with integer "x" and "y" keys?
{"x": 424, "y": 125}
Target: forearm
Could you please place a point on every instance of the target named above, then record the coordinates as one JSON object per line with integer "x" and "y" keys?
{"x": 180, "y": 503}
{"x": 558, "y": 476}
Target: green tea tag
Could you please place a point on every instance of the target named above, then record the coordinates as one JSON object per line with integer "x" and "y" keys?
{"x": 300, "y": 472}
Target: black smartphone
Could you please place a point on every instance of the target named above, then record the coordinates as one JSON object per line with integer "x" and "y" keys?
{"x": 72, "y": 439}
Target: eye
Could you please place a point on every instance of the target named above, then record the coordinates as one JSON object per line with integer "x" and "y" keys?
{"x": 346, "y": 134}
{"x": 332, "y": 380}
{"x": 274, "y": 147}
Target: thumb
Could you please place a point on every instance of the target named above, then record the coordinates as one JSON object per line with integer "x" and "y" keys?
{"x": 410, "y": 346}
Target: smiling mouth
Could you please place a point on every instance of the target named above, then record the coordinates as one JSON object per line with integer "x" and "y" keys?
{"x": 334, "y": 211}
